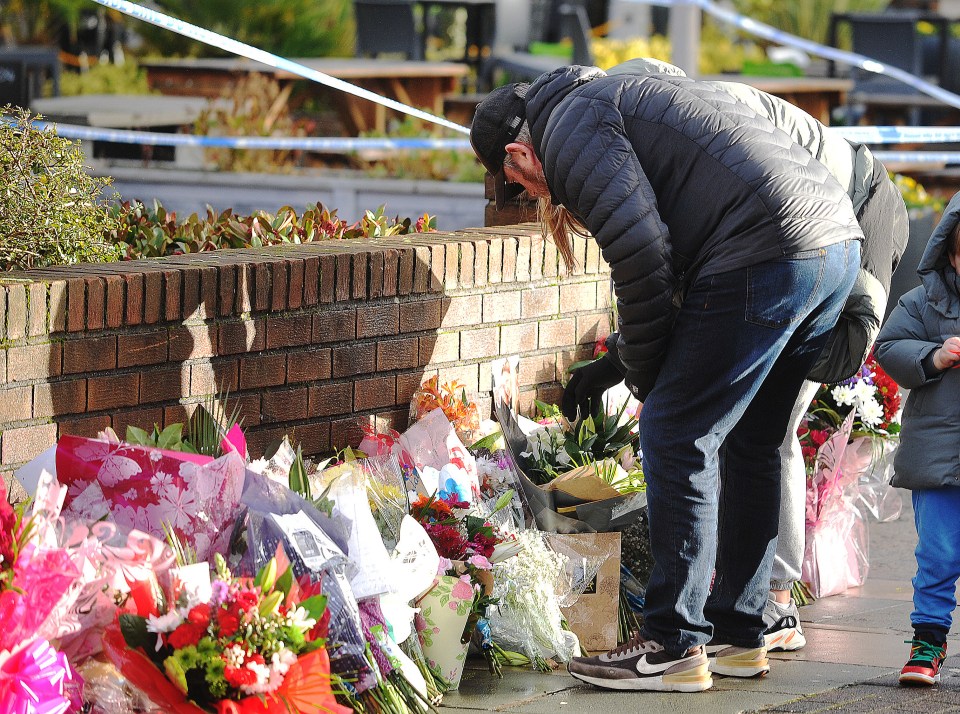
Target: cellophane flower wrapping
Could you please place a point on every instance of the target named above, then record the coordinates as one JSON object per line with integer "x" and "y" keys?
{"x": 528, "y": 588}
{"x": 317, "y": 547}
{"x": 40, "y": 584}
{"x": 451, "y": 398}
{"x": 145, "y": 488}
{"x": 431, "y": 449}
{"x": 871, "y": 458}
{"x": 836, "y": 555}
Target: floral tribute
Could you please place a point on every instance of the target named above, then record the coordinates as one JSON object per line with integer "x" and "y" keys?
{"x": 229, "y": 644}
{"x": 465, "y": 544}
{"x": 451, "y": 397}
{"x": 35, "y": 581}
{"x": 871, "y": 392}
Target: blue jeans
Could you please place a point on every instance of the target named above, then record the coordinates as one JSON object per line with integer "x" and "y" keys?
{"x": 936, "y": 512}
{"x": 742, "y": 343}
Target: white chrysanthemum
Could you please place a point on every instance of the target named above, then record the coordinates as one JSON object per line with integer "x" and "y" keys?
{"x": 843, "y": 395}
{"x": 871, "y": 412}
{"x": 262, "y": 685}
{"x": 165, "y": 623}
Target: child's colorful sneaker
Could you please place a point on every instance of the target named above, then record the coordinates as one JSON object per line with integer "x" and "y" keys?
{"x": 644, "y": 665}
{"x": 926, "y": 657}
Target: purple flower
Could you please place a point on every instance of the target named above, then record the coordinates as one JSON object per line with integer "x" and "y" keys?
{"x": 219, "y": 592}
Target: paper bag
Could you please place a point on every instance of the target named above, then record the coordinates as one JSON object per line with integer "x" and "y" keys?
{"x": 594, "y": 616}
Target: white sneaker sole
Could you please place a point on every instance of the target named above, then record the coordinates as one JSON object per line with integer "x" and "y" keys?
{"x": 917, "y": 678}
{"x": 751, "y": 663}
{"x": 787, "y": 640}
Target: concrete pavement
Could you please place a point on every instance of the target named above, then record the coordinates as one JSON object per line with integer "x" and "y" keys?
{"x": 855, "y": 648}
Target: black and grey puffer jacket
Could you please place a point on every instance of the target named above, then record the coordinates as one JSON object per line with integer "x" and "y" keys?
{"x": 929, "y": 451}
{"x": 864, "y": 178}
{"x": 675, "y": 180}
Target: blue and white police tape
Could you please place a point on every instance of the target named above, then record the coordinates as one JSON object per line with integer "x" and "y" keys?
{"x": 860, "y": 134}
{"x": 831, "y": 53}
{"x": 338, "y": 145}
{"x": 244, "y": 50}
{"x": 918, "y": 157}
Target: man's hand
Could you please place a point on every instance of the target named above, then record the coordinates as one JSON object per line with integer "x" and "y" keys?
{"x": 945, "y": 357}
{"x": 586, "y": 387}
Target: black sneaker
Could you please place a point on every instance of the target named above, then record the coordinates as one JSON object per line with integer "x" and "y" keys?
{"x": 644, "y": 665}
{"x": 783, "y": 632}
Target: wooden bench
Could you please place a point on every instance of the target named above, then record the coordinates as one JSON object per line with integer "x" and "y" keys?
{"x": 419, "y": 84}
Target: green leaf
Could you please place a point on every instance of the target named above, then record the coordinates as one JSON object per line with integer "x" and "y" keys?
{"x": 285, "y": 581}
{"x": 315, "y": 606}
{"x": 137, "y": 436}
{"x": 135, "y": 633}
{"x": 503, "y": 501}
{"x": 170, "y": 437}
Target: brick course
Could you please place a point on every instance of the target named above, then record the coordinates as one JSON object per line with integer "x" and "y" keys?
{"x": 315, "y": 341}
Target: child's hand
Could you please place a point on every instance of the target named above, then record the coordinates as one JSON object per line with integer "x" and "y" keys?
{"x": 949, "y": 355}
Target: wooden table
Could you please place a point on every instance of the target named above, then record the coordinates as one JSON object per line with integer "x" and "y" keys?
{"x": 418, "y": 84}
{"x": 817, "y": 96}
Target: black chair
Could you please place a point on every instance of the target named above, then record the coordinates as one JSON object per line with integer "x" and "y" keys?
{"x": 14, "y": 86}
{"x": 387, "y": 27}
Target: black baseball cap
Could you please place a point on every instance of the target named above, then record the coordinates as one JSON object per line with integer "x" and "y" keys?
{"x": 496, "y": 123}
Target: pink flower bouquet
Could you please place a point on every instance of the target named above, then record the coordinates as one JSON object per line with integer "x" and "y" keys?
{"x": 146, "y": 488}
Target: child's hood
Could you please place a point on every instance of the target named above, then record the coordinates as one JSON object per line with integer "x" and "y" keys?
{"x": 943, "y": 298}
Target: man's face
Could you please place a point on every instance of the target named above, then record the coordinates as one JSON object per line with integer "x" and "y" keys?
{"x": 523, "y": 167}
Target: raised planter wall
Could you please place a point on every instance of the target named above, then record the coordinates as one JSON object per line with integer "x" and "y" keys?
{"x": 313, "y": 341}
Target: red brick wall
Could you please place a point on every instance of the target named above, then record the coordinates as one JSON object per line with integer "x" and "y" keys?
{"x": 311, "y": 340}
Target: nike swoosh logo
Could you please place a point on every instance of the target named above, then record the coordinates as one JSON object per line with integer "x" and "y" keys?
{"x": 644, "y": 667}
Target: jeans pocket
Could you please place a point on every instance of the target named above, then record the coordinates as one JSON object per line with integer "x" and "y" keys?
{"x": 783, "y": 291}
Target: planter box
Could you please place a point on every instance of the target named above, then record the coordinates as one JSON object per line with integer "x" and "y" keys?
{"x": 456, "y": 205}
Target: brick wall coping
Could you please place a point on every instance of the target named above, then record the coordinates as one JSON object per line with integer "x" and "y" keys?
{"x": 198, "y": 286}
{"x": 316, "y": 341}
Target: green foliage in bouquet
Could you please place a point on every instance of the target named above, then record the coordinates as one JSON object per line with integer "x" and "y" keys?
{"x": 600, "y": 439}
{"x": 202, "y": 434}
{"x": 50, "y": 210}
{"x": 145, "y": 232}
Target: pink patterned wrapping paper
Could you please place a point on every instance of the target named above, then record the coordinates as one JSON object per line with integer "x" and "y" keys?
{"x": 144, "y": 488}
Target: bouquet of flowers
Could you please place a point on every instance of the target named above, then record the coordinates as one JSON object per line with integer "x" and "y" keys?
{"x": 451, "y": 397}
{"x": 527, "y": 625}
{"x": 228, "y": 644}
{"x": 151, "y": 483}
{"x": 36, "y": 582}
{"x": 871, "y": 392}
{"x": 874, "y": 400}
{"x": 465, "y": 544}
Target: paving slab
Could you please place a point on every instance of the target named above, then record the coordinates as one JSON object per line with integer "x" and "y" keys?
{"x": 855, "y": 648}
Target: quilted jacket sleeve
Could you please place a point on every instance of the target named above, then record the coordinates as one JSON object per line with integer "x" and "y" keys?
{"x": 903, "y": 342}
{"x": 599, "y": 178}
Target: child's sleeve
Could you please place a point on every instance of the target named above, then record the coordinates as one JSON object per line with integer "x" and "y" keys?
{"x": 903, "y": 343}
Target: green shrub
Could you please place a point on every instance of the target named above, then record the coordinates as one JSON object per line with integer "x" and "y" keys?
{"x": 427, "y": 164}
{"x": 289, "y": 28}
{"x": 809, "y": 19}
{"x": 126, "y": 78}
{"x": 50, "y": 212}
{"x": 149, "y": 232}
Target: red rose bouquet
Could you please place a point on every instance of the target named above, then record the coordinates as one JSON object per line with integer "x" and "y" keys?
{"x": 228, "y": 644}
